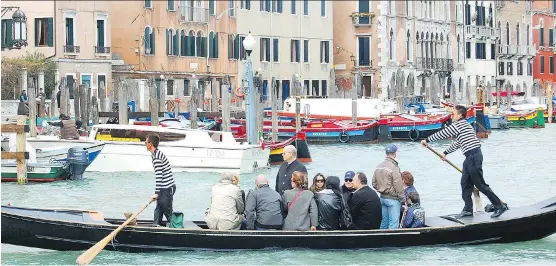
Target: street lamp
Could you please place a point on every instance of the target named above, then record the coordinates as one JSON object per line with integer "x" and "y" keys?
{"x": 248, "y": 45}
{"x": 19, "y": 29}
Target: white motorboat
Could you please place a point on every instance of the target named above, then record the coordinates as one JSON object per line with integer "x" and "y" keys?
{"x": 187, "y": 150}
{"x": 368, "y": 108}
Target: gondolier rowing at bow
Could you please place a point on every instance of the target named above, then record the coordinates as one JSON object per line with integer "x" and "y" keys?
{"x": 472, "y": 174}
{"x": 165, "y": 185}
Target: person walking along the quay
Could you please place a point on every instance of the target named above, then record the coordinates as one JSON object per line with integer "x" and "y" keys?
{"x": 290, "y": 165}
{"x": 165, "y": 185}
{"x": 472, "y": 174}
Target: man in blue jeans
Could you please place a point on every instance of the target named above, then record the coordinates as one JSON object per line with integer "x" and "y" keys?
{"x": 387, "y": 180}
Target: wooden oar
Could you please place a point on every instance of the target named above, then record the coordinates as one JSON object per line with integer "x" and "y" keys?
{"x": 476, "y": 195}
{"x": 92, "y": 252}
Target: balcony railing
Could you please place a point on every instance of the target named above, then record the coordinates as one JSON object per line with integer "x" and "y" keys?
{"x": 362, "y": 19}
{"x": 71, "y": 49}
{"x": 102, "y": 50}
{"x": 438, "y": 64}
{"x": 194, "y": 14}
{"x": 482, "y": 31}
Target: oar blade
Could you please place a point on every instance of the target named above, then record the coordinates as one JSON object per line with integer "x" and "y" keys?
{"x": 93, "y": 251}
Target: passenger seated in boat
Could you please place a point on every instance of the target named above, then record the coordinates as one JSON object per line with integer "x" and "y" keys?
{"x": 226, "y": 207}
{"x": 347, "y": 188}
{"x": 408, "y": 181}
{"x": 318, "y": 183}
{"x": 263, "y": 209}
{"x": 414, "y": 213}
{"x": 299, "y": 206}
{"x": 329, "y": 204}
{"x": 365, "y": 206}
{"x": 236, "y": 182}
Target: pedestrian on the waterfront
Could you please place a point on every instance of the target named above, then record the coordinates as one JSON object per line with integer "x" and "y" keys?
{"x": 68, "y": 127}
{"x": 387, "y": 180}
{"x": 263, "y": 208}
{"x": 290, "y": 165}
{"x": 226, "y": 206}
{"x": 472, "y": 174}
{"x": 23, "y": 97}
{"x": 165, "y": 185}
{"x": 365, "y": 206}
{"x": 329, "y": 204}
{"x": 299, "y": 206}
{"x": 347, "y": 187}
{"x": 318, "y": 183}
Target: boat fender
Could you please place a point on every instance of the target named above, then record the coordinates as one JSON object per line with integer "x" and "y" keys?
{"x": 344, "y": 137}
{"x": 239, "y": 92}
{"x": 413, "y": 134}
{"x": 521, "y": 120}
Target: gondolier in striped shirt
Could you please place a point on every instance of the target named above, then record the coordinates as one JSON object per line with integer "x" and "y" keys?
{"x": 472, "y": 174}
{"x": 165, "y": 186}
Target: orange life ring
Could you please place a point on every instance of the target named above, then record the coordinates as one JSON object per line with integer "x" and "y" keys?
{"x": 239, "y": 92}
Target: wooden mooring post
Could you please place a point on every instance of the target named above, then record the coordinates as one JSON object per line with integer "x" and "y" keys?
{"x": 64, "y": 97}
{"x": 550, "y": 107}
{"x": 84, "y": 105}
{"x": 274, "y": 102}
{"x": 122, "y": 104}
{"x": 20, "y": 154}
{"x": 153, "y": 102}
{"x": 193, "y": 102}
{"x": 76, "y": 102}
{"x": 297, "y": 114}
{"x": 226, "y": 97}
{"x": 32, "y": 96}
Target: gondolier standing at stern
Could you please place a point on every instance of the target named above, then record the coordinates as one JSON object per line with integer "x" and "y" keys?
{"x": 472, "y": 174}
{"x": 165, "y": 185}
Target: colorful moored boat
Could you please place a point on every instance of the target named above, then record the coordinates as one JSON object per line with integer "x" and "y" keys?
{"x": 533, "y": 118}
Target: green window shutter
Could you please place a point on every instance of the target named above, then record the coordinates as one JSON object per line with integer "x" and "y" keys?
{"x": 50, "y": 32}
{"x": 9, "y": 37}
{"x": 36, "y": 32}
{"x": 216, "y": 45}
{"x": 147, "y": 38}
{"x": 211, "y": 44}
{"x": 230, "y": 47}
{"x": 191, "y": 45}
{"x": 176, "y": 44}
{"x": 167, "y": 42}
{"x": 187, "y": 46}
{"x": 204, "y": 46}
{"x": 236, "y": 47}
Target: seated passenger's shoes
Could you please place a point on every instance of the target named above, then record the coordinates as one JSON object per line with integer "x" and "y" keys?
{"x": 499, "y": 212}
{"x": 464, "y": 214}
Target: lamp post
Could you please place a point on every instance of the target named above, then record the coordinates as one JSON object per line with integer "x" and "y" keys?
{"x": 249, "y": 44}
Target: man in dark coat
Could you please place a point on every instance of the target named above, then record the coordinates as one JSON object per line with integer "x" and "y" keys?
{"x": 290, "y": 165}
{"x": 365, "y": 206}
{"x": 347, "y": 188}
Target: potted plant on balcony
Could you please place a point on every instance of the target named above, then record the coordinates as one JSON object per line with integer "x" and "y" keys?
{"x": 356, "y": 15}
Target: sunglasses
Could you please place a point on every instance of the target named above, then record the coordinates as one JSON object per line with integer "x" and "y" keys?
{"x": 320, "y": 180}
{"x": 348, "y": 180}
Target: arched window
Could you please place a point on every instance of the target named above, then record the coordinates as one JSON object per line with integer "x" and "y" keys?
{"x": 517, "y": 36}
{"x": 149, "y": 40}
{"x": 230, "y": 46}
{"x": 183, "y": 43}
{"x": 408, "y": 47}
{"x": 507, "y": 33}
{"x": 192, "y": 43}
{"x": 541, "y": 32}
{"x": 213, "y": 45}
{"x": 391, "y": 53}
{"x": 171, "y": 42}
{"x": 528, "y": 35}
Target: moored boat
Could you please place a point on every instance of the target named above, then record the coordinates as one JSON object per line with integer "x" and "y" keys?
{"x": 187, "y": 150}
{"x": 532, "y": 118}
{"x": 79, "y": 230}
{"x": 416, "y": 126}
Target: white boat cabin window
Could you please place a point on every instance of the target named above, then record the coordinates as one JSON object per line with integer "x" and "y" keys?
{"x": 131, "y": 135}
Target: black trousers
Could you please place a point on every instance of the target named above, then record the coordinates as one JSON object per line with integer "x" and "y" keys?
{"x": 472, "y": 175}
{"x": 164, "y": 205}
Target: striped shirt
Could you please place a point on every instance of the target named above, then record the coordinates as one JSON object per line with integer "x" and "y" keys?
{"x": 162, "y": 170}
{"x": 466, "y": 139}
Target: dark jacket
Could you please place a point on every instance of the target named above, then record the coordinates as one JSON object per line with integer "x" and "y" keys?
{"x": 283, "y": 178}
{"x": 346, "y": 193}
{"x": 330, "y": 208}
{"x": 303, "y": 212}
{"x": 264, "y": 209}
{"x": 365, "y": 209}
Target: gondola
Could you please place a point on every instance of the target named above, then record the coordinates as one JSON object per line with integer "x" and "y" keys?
{"x": 79, "y": 230}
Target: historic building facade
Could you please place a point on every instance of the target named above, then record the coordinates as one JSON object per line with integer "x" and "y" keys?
{"x": 515, "y": 46}
{"x": 544, "y": 40}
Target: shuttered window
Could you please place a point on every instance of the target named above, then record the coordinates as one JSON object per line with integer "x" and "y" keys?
{"x": 265, "y": 49}
{"x": 541, "y": 62}
{"x": 69, "y": 32}
{"x": 212, "y": 7}
{"x": 213, "y": 45}
{"x": 7, "y": 41}
{"x": 171, "y": 5}
{"x": 306, "y": 51}
{"x": 306, "y": 7}
{"x": 294, "y": 11}
{"x": 294, "y": 47}
{"x": 176, "y": 43}
{"x": 275, "y": 50}
{"x": 324, "y": 52}
{"x": 551, "y": 65}
{"x": 364, "y": 51}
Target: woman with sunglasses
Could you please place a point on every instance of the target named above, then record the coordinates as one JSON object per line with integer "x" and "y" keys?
{"x": 329, "y": 205}
{"x": 318, "y": 183}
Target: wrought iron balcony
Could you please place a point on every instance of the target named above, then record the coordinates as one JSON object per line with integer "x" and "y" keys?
{"x": 362, "y": 19}
{"x": 438, "y": 64}
{"x": 190, "y": 14}
{"x": 102, "y": 50}
{"x": 482, "y": 31}
{"x": 72, "y": 49}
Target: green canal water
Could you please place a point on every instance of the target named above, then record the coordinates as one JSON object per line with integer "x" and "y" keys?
{"x": 519, "y": 164}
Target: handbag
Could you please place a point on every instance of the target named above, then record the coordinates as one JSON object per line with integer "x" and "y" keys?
{"x": 346, "y": 221}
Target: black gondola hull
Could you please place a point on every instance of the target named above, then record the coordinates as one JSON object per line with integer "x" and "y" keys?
{"x": 518, "y": 224}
